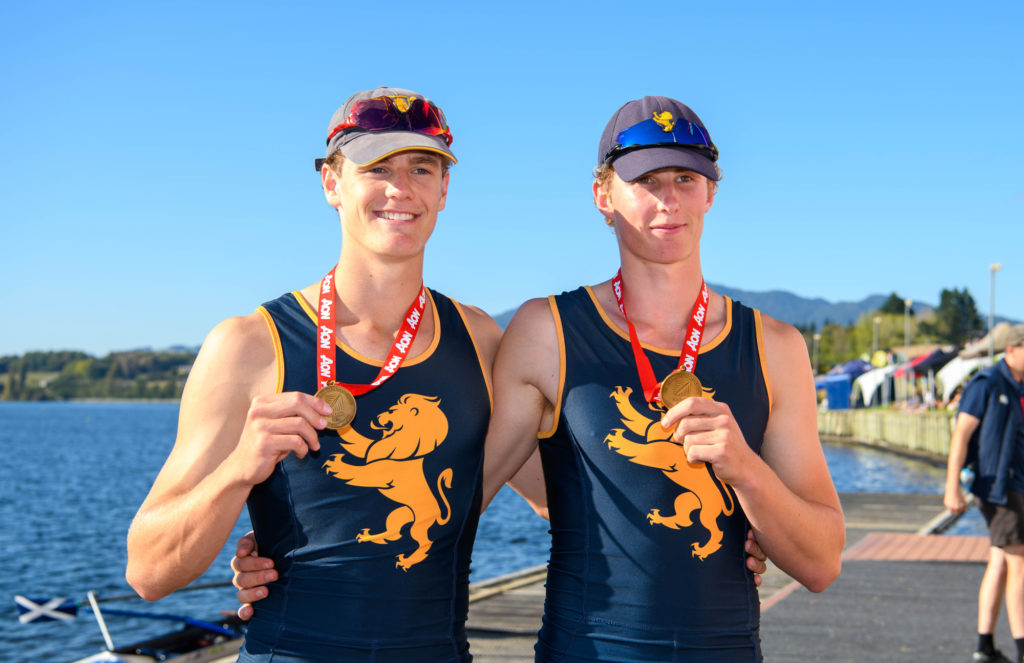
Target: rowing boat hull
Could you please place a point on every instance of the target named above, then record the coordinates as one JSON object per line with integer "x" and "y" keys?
{"x": 221, "y": 652}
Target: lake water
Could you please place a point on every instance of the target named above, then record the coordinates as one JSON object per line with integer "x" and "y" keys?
{"x": 76, "y": 473}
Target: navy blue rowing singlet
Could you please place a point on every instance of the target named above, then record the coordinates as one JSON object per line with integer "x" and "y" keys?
{"x": 647, "y": 560}
{"x": 372, "y": 534}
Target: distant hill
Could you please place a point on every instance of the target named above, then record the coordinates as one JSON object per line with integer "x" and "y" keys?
{"x": 790, "y": 308}
{"x": 797, "y": 310}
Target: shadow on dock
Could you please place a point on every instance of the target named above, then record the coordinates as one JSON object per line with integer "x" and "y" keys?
{"x": 904, "y": 595}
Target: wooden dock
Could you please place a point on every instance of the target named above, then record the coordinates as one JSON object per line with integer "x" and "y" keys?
{"x": 887, "y": 548}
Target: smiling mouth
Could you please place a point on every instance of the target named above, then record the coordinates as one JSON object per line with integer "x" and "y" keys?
{"x": 396, "y": 216}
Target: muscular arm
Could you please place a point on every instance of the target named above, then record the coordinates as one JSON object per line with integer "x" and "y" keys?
{"x": 787, "y": 492}
{"x": 965, "y": 426}
{"x": 793, "y": 508}
{"x": 228, "y": 440}
{"x": 529, "y": 479}
{"x": 525, "y": 384}
{"x": 529, "y": 483}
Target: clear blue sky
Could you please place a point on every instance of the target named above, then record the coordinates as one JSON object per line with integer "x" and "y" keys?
{"x": 155, "y": 157}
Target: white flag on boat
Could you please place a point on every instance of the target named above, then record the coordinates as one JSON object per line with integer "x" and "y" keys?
{"x": 32, "y": 610}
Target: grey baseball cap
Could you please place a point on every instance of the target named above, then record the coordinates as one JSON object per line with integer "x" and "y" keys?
{"x": 404, "y": 120}
{"x": 1015, "y": 336}
{"x": 657, "y": 132}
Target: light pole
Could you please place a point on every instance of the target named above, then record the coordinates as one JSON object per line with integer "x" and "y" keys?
{"x": 817, "y": 337}
{"x": 874, "y": 337}
{"x": 995, "y": 267}
{"x": 907, "y": 303}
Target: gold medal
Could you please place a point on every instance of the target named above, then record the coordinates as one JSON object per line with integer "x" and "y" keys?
{"x": 678, "y": 386}
{"x": 342, "y": 402}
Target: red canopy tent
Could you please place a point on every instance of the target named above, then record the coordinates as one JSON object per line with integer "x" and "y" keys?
{"x": 912, "y": 364}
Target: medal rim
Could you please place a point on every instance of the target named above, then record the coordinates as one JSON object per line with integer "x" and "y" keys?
{"x": 339, "y": 418}
{"x": 687, "y": 380}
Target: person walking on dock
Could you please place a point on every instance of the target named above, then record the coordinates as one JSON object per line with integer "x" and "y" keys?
{"x": 989, "y": 435}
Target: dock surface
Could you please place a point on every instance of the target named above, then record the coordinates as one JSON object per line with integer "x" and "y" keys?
{"x": 902, "y": 596}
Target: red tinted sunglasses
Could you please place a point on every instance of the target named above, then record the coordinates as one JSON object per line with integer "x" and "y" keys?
{"x": 403, "y": 113}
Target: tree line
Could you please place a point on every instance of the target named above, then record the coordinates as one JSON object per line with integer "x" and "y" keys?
{"x": 70, "y": 374}
{"x": 955, "y": 321}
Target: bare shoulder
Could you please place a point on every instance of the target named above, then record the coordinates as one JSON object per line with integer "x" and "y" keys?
{"x": 780, "y": 335}
{"x": 529, "y": 348}
{"x": 531, "y": 332}
{"x": 785, "y": 349}
{"x": 237, "y": 362}
{"x": 243, "y": 346}
{"x": 532, "y": 317}
{"x": 484, "y": 329}
{"x": 240, "y": 335}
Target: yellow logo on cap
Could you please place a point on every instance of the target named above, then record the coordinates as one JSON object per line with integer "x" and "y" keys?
{"x": 665, "y": 120}
{"x": 402, "y": 103}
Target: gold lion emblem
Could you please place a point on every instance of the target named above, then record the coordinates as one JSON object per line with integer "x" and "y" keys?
{"x": 413, "y": 427}
{"x": 665, "y": 120}
{"x": 659, "y": 451}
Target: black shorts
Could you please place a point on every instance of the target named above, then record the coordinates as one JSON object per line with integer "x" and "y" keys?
{"x": 1005, "y": 522}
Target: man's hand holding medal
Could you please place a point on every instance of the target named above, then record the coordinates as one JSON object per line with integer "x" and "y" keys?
{"x": 275, "y": 426}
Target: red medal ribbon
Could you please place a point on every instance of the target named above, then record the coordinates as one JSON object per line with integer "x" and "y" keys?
{"x": 326, "y": 369}
{"x": 691, "y": 342}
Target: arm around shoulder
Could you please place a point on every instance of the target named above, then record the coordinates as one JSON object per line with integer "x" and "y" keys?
{"x": 525, "y": 382}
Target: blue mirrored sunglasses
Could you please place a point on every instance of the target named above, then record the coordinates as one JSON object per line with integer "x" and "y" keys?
{"x": 651, "y": 134}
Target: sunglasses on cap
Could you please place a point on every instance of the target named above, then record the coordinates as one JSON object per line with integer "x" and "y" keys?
{"x": 402, "y": 113}
{"x": 651, "y": 133}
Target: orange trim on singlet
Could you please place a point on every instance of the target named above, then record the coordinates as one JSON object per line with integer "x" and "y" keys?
{"x": 479, "y": 358}
{"x": 278, "y": 352}
{"x": 763, "y": 356}
{"x": 561, "y": 371}
{"x": 351, "y": 352}
{"x": 705, "y": 347}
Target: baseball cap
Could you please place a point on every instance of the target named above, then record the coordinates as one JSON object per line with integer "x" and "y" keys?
{"x": 1015, "y": 336}
{"x": 374, "y": 124}
{"x": 657, "y": 132}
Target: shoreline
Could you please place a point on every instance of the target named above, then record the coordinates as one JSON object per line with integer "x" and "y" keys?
{"x": 922, "y": 435}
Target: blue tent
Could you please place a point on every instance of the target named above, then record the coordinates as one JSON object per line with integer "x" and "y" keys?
{"x": 853, "y": 368}
{"x": 837, "y": 389}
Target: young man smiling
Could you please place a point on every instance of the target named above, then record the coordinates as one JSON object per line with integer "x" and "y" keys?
{"x": 651, "y": 502}
{"x": 368, "y": 507}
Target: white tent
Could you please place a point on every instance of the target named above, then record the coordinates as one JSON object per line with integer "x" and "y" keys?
{"x": 868, "y": 383}
{"x": 956, "y": 371}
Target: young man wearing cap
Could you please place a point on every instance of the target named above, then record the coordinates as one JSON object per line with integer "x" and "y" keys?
{"x": 650, "y": 505}
{"x": 368, "y": 507}
{"x": 989, "y": 433}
